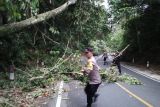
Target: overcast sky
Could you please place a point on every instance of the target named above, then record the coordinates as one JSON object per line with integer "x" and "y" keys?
{"x": 106, "y": 4}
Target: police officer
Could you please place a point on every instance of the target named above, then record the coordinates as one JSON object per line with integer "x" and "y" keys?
{"x": 92, "y": 71}
{"x": 116, "y": 61}
{"x": 105, "y": 56}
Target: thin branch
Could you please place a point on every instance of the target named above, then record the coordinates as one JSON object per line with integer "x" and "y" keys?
{"x": 49, "y": 38}
{"x": 51, "y": 69}
{"x": 34, "y": 40}
{"x": 44, "y": 39}
{"x": 23, "y": 71}
{"x": 57, "y": 65}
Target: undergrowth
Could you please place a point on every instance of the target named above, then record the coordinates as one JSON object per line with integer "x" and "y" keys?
{"x": 111, "y": 75}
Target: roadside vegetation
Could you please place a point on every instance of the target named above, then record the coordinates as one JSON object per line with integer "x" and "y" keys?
{"x": 45, "y": 52}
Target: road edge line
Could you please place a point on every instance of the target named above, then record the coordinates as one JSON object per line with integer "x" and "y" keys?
{"x": 142, "y": 74}
{"x": 135, "y": 96}
{"x": 59, "y": 98}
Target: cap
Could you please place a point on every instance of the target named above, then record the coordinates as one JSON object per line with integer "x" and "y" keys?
{"x": 88, "y": 49}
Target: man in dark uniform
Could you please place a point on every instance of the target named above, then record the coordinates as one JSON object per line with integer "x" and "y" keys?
{"x": 105, "y": 56}
{"x": 116, "y": 61}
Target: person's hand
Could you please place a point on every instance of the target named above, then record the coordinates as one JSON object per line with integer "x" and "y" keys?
{"x": 82, "y": 70}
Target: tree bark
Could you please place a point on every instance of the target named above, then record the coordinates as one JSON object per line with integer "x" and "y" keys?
{"x": 13, "y": 27}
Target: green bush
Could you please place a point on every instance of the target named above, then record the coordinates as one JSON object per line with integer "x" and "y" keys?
{"x": 111, "y": 75}
{"x": 99, "y": 46}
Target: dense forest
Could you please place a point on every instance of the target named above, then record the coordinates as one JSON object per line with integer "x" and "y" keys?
{"x": 51, "y": 34}
{"x": 139, "y": 27}
{"x": 83, "y": 24}
{"x": 77, "y": 25}
{"x": 142, "y": 32}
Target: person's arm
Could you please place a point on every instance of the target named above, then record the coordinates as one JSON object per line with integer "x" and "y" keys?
{"x": 89, "y": 67}
{"x": 102, "y": 55}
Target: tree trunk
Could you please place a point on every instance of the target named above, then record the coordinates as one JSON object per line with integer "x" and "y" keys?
{"x": 13, "y": 27}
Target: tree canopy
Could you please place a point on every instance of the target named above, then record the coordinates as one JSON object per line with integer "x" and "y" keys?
{"x": 43, "y": 40}
{"x": 78, "y": 24}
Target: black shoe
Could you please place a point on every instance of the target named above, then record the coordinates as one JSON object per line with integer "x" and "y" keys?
{"x": 88, "y": 105}
{"x": 95, "y": 97}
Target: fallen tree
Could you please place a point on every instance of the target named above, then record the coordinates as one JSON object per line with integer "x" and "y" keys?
{"x": 13, "y": 27}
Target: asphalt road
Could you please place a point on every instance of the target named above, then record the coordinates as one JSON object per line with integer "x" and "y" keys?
{"x": 116, "y": 94}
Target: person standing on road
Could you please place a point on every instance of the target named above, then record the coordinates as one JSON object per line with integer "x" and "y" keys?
{"x": 105, "y": 56}
{"x": 116, "y": 61}
{"x": 92, "y": 71}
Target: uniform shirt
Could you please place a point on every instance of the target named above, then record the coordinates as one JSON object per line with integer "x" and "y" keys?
{"x": 117, "y": 60}
{"x": 92, "y": 69}
{"x": 105, "y": 55}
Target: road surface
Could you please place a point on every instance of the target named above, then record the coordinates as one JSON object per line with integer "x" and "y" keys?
{"x": 116, "y": 94}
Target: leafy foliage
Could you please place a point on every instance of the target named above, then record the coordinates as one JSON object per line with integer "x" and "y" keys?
{"x": 35, "y": 82}
{"x": 44, "y": 52}
{"x": 111, "y": 75}
{"x": 139, "y": 21}
{"x": 115, "y": 39}
{"x": 78, "y": 25}
{"x": 141, "y": 32}
{"x": 99, "y": 46}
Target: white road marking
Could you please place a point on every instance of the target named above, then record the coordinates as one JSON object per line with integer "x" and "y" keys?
{"x": 58, "y": 104}
{"x": 141, "y": 73}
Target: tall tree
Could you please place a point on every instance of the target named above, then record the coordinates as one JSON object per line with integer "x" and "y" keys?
{"x": 10, "y": 28}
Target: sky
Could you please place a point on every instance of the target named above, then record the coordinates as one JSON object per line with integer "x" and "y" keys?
{"x": 106, "y": 4}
